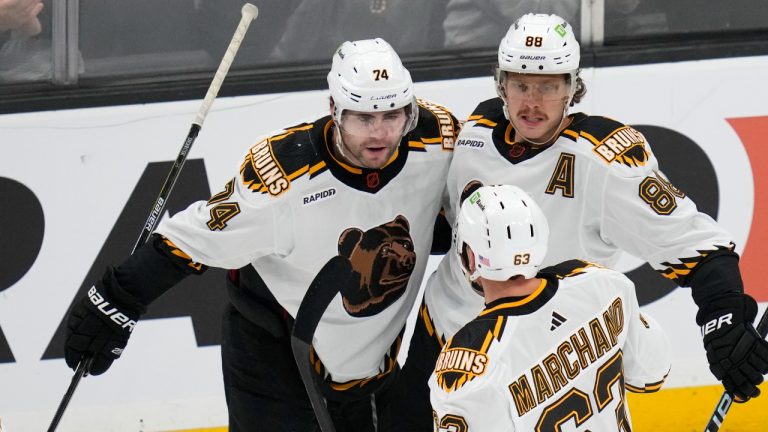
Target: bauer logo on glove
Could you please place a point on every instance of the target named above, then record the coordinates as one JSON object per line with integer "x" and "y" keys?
{"x": 716, "y": 323}
{"x": 115, "y": 315}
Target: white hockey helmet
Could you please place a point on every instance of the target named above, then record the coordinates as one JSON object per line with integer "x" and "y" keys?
{"x": 539, "y": 44}
{"x": 506, "y": 231}
{"x": 368, "y": 76}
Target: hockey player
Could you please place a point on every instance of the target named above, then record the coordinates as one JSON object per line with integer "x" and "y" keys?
{"x": 599, "y": 185}
{"x": 553, "y": 346}
{"x": 361, "y": 187}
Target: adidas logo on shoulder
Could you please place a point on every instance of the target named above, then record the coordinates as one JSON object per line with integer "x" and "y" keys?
{"x": 557, "y": 320}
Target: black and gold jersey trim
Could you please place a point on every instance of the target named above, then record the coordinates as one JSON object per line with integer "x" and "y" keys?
{"x": 648, "y": 388}
{"x": 612, "y": 141}
{"x": 464, "y": 357}
{"x": 570, "y": 134}
{"x": 364, "y": 385}
{"x": 429, "y": 324}
{"x": 594, "y": 128}
{"x": 514, "y": 303}
{"x": 481, "y": 121}
{"x": 568, "y": 268}
{"x": 422, "y": 144}
{"x": 273, "y": 163}
{"x": 488, "y": 114}
{"x": 679, "y": 272}
{"x": 417, "y": 146}
{"x": 180, "y": 256}
{"x": 491, "y": 111}
{"x": 436, "y": 126}
{"x": 522, "y": 306}
{"x": 317, "y": 169}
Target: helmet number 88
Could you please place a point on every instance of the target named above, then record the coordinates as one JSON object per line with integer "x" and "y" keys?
{"x": 533, "y": 41}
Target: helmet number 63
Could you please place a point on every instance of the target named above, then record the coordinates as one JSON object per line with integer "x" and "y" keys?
{"x": 522, "y": 259}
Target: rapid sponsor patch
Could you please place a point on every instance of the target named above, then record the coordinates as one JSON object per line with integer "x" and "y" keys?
{"x": 318, "y": 196}
{"x": 626, "y": 146}
{"x": 477, "y": 144}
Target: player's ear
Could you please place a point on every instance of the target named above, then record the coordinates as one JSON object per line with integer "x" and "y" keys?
{"x": 331, "y": 105}
{"x": 467, "y": 258}
{"x": 471, "y": 265}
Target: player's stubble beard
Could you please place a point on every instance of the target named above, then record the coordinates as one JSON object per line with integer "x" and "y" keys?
{"x": 349, "y": 156}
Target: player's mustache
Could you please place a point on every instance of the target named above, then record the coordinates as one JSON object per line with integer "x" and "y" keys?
{"x": 532, "y": 113}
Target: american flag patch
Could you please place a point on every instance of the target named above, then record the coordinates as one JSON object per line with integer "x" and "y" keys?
{"x": 484, "y": 261}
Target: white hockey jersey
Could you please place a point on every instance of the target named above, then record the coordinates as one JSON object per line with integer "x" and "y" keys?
{"x": 599, "y": 186}
{"x": 557, "y": 360}
{"x": 294, "y": 206}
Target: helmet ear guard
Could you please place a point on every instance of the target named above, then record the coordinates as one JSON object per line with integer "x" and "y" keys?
{"x": 504, "y": 230}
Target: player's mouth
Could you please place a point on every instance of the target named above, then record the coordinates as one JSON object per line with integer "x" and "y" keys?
{"x": 532, "y": 120}
{"x": 377, "y": 151}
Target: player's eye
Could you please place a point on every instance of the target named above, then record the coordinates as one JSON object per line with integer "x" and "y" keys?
{"x": 365, "y": 119}
{"x": 520, "y": 87}
{"x": 548, "y": 89}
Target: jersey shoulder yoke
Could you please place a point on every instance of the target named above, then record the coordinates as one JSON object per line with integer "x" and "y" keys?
{"x": 488, "y": 114}
{"x": 436, "y": 127}
{"x": 611, "y": 142}
{"x": 273, "y": 163}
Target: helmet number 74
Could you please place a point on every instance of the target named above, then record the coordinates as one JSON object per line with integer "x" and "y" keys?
{"x": 380, "y": 74}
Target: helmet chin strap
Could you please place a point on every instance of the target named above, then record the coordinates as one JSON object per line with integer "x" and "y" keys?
{"x": 339, "y": 144}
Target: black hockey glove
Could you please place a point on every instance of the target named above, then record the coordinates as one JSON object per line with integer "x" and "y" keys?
{"x": 737, "y": 355}
{"x": 100, "y": 323}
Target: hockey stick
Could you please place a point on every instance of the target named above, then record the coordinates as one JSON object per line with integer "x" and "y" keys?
{"x": 722, "y": 407}
{"x": 249, "y": 12}
{"x": 80, "y": 372}
{"x": 321, "y": 292}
